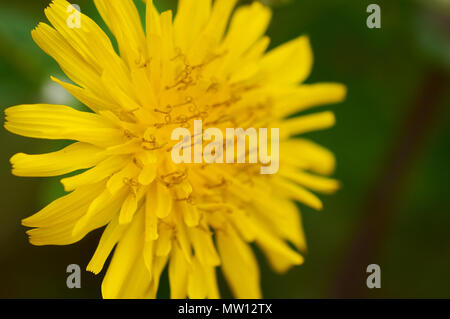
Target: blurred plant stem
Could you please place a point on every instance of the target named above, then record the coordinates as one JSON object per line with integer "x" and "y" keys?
{"x": 380, "y": 204}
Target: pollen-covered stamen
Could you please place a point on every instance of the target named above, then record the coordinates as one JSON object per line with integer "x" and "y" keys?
{"x": 187, "y": 101}
{"x": 174, "y": 178}
{"x": 132, "y": 183}
{"x": 142, "y": 61}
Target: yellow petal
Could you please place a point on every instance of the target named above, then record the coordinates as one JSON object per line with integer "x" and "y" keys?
{"x": 164, "y": 241}
{"x": 96, "y": 174}
{"x": 220, "y": 15}
{"x": 238, "y": 265}
{"x": 71, "y": 158}
{"x": 249, "y": 23}
{"x": 151, "y": 220}
{"x": 126, "y": 255}
{"x": 87, "y": 97}
{"x": 70, "y": 61}
{"x": 138, "y": 281}
{"x": 280, "y": 255}
{"x": 204, "y": 246}
{"x": 178, "y": 274}
{"x": 167, "y": 48}
{"x": 60, "y": 230}
{"x": 314, "y": 182}
{"x": 148, "y": 174}
{"x": 209, "y": 274}
{"x": 60, "y": 210}
{"x": 124, "y": 21}
{"x": 289, "y": 63}
{"x": 125, "y": 98}
{"x": 128, "y": 209}
{"x": 104, "y": 203}
{"x": 308, "y": 155}
{"x": 284, "y": 219}
{"x": 153, "y": 24}
{"x": 192, "y": 16}
{"x": 159, "y": 264}
{"x": 214, "y": 30}
{"x": 306, "y": 96}
{"x": 83, "y": 40}
{"x": 159, "y": 200}
{"x": 306, "y": 123}
{"x": 61, "y": 122}
{"x": 93, "y": 45}
{"x": 182, "y": 236}
{"x": 149, "y": 255}
{"x": 190, "y": 213}
{"x": 111, "y": 235}
{"x": 197, "y": 286}
{"x": 243, "y": 224}
{"x": 123, "y": 178}
{"x": 248, "y": 66}
{"x": 296, "y": 192}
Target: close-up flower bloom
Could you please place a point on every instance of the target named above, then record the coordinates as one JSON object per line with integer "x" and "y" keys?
{"x": 210, "y": 62}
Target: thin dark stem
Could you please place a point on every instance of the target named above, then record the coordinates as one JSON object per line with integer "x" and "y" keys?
{"x": 379, "y": 207}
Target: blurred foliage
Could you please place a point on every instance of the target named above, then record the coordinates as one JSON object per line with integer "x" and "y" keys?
{"x": 382, "y": 69}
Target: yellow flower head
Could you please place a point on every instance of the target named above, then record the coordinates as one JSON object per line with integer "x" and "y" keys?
{"x": 193, "y": 218}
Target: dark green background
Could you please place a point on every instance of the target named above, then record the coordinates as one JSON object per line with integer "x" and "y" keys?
{"x": 386, "y": 71}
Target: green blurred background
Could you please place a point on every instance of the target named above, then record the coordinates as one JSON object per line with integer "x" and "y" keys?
{"x": 392, "y": 142}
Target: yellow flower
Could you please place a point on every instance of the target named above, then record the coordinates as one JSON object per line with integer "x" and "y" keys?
{"x": 192, "y": 218}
